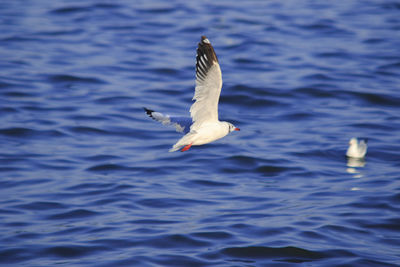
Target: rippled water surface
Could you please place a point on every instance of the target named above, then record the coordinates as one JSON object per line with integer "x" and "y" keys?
{"x": 86, "y": 178}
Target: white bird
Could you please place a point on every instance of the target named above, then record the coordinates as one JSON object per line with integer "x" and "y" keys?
{"x": 205, "y": 126}
{"x": 357, "y": 149}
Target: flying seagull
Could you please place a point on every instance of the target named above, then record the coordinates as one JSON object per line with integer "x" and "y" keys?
{"x": 204, "y": 126}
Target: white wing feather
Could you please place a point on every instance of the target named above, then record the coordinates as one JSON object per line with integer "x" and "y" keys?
{"x": 208, "y": 86}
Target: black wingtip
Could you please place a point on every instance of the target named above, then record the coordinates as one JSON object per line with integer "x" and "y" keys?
{"x": 205, "y": 58}
{"x": 206, "y": 48}
{"x": 148, "y": 111}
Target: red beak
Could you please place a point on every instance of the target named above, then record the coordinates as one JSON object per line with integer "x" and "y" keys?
{"x": 237, "y": 129}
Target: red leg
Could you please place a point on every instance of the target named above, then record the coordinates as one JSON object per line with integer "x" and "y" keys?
{"x": 186, "y": 147}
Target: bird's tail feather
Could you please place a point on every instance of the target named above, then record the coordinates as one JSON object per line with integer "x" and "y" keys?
{"x": 184, "y": 141}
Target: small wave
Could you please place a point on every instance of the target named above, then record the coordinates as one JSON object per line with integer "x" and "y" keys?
{"x": 395, "y": 198}
{"x": 208, "y": 183}
{"x": 42, "y": 205}
{"x": 114, "y": 100}
{"x": 171, "y": 202}
{"x": 175, "y": 241}
{"x": 17, "y": 39}
{"x": 318, "y": 77}
{"x": 167, "y": 71}
{"x": 158, "y": 10}
{"x": 14, "y": 255}
{"x": 250, "y": 101}
{"x": 318, "y": 91}
{"x": 287, "y": 254}
{"x": 374, "y": 41}
{"x": 391, "y": 66}
{"x": 72, "y": 251}
{"x": 72, "y": 32}
{"x": 270, "y": 170}
{"x": 74, "y": 214}
{"x": 391, "y": 5}
{"x": 88, "y": 130}
{"x": 325, "y": 27}
{"x": 379, "y": 99}
{"x": 62, "y": 78}
{"x": 216, "y": 235}
{"x": 107, "y": 5}
{"x": 81, "y": 117}
{"x": 40, "y": 108}
{"x": 174, "y": 260}
{"x": 101, "y": 157}
{"x": 335, "y": 54}
{"x": 296, "y": 116}
{"x": 240, "y": 60}
{"x": 18, "y": 94}
{"x": 192, "y": 28}
{"x": 153, "y": 222}
{"x": 6, "y": 110}
{"x": 10, "y": 169}
{"x": 7, "y": 85}
{"x": 70, "y": 9}
{"x": 108, "y": 167}
{"x": 27, "y": 132}
{"x": 94, "y": 188}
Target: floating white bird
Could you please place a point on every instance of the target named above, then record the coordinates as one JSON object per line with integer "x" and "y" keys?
{"x": 205, "y": 126}
{"x": 357, "y": 149}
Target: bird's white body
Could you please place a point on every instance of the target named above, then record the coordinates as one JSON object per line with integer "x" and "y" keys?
{"x": 357, "y": 149}
{"x": 205, "y": 134}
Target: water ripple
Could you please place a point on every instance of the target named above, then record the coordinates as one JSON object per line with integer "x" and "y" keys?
{"x": 286, "y": 254}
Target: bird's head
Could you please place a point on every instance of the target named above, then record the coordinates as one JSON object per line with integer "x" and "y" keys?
{"x": 353, "y": 141}
{"x": 232, "y": 127}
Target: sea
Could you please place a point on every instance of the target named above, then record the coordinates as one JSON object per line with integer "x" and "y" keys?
{"x": 86, "y": 178}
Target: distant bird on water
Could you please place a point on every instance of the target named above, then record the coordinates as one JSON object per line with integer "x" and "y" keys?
{"x": 205, "y": 126}
{"x": 357, "y": 149}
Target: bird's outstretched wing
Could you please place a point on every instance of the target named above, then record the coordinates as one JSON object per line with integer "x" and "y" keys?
{"x": 181, "y": 124}
{"x": 208, "y": 85}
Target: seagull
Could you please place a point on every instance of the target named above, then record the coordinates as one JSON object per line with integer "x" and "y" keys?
{"x": 204, "y": 126}
{"x": 357, "y": 149}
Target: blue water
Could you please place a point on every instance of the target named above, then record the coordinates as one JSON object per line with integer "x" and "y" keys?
{"x": 86, "y": 178}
